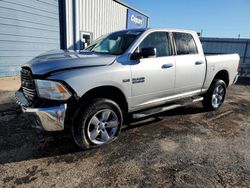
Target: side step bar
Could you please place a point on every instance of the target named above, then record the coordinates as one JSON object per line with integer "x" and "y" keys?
{"x": 157, "y": 110}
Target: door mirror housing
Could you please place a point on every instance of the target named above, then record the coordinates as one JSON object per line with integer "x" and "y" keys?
{"x": 144, "y": 53}
{"x": 148, "y": 52}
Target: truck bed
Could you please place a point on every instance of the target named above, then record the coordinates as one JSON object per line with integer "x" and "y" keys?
{"x": 221, "y": 62}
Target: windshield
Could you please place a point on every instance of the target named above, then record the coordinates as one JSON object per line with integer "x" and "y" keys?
{"x": 116, "y": 43}
{"x": 93, "y": 44}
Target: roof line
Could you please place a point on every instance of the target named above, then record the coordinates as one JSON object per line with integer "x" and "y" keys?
{"x": 130, "y": 7}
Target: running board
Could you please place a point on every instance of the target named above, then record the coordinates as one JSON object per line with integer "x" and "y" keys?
{"x": 157, "y": 110}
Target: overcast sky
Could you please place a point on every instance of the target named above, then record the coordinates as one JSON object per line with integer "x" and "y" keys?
{"x": 217, "y": 18}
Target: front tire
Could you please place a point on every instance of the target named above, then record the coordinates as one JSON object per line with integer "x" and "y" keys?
{"x": 97, "y": 124}
{"x": 215, "y": 95}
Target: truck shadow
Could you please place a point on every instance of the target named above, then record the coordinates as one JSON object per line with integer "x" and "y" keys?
{"x": 186, "y": 110}
{"x": 20, "y": 142}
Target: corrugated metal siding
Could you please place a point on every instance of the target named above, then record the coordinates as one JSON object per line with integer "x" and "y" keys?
{"x": 96, "y": 16}
{"x": 247, "y": 55}
{"x": 225, "y": 46}
{"x": 27, "y": 28}
{"x": 69, "y": 24}
{"x": 101, "y": 16}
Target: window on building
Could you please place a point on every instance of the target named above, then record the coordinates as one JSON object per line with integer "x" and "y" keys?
{"x": 158, "y": 40}
{"x": 185, "y": 44}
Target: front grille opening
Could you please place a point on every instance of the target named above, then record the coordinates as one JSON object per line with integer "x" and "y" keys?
{"x": 28, "y": 84}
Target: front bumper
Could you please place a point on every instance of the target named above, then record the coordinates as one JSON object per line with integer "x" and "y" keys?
{"x": 49, "y": 118}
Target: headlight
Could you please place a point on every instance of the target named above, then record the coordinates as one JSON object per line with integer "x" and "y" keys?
{"x": 52, "y": 90}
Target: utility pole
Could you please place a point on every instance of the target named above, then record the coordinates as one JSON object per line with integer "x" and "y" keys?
{"x": 201, "y": 32}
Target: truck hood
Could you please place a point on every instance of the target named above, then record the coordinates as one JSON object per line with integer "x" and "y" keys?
{"x": 54, "y": 61}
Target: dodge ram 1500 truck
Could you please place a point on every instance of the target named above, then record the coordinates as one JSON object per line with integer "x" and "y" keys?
{"x": 128, "y": 73}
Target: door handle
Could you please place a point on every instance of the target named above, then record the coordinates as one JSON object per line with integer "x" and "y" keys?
{"x": 166, "y": 66}
{"x": 199, "y": 62}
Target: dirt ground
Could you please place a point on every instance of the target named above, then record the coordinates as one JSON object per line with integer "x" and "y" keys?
{"x": 185, "y": 147}
{"x": 9, "y": 83}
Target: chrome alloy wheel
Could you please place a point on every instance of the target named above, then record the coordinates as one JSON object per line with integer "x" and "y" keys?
{"x": 218, "y": 96}
{"x": 102, "y": 126}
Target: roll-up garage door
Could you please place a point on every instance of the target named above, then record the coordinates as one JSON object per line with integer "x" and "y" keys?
{"x": 27, "y": 28}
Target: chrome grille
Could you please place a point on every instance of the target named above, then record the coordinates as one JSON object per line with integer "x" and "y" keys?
{"x": 28, "y": 84}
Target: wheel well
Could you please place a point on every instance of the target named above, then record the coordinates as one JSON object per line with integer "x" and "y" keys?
{"x": 109, "y": 92}
{"x": 223, "y": 75}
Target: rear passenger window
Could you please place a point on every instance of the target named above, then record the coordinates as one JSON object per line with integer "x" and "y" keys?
{"x": 185, "y": 44}
{"x": 158, "y": 40}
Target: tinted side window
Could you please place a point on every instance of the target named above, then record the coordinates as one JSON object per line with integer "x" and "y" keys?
{"x": 185, "y": 43}
{"x": 158, "y": 40}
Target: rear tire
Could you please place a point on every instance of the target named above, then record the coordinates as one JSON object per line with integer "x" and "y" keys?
{"x": 97, "y": 124}
{"x": 215, "y": 95}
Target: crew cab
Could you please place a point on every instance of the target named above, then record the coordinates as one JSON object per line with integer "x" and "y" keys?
{"x": 129, "y": 73}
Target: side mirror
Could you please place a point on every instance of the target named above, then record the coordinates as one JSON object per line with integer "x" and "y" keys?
{"x": 144, "y": 53}
{"x": 148, "y": 52}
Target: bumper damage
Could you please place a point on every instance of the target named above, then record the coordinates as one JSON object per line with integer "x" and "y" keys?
{"x": 49, "y": 118}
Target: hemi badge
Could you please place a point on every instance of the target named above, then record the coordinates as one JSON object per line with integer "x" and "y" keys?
{"x": 138, "y": 80}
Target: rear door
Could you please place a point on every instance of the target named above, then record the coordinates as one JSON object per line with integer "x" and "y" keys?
{"x": 190, "y": 64}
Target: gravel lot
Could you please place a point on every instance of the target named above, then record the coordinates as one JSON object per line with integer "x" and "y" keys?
{"x": 186, "y": 147}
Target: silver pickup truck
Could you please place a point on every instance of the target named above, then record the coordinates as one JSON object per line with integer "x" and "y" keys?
{"x": 128, "y": 73}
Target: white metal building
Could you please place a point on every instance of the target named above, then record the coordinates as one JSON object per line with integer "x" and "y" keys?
{"x": 31, "y": 27}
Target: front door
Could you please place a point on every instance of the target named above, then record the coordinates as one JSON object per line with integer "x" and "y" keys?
{"x": 153, "y": 78}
